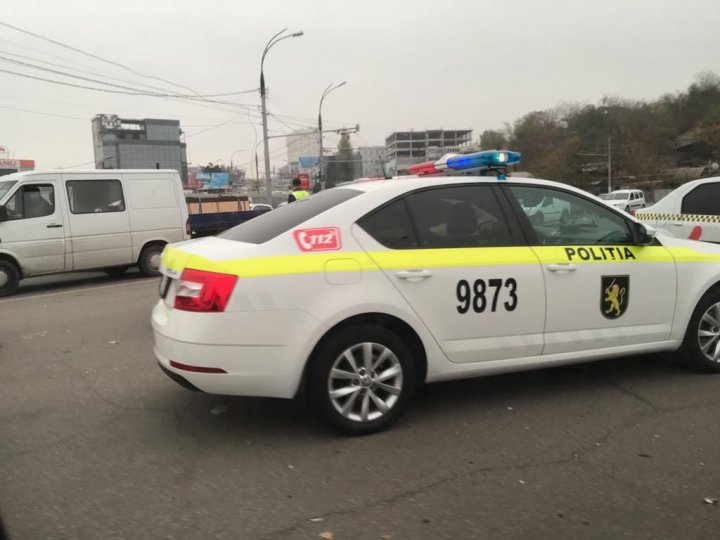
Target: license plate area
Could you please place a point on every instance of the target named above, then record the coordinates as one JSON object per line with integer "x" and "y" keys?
{"x": 164, "y": 286}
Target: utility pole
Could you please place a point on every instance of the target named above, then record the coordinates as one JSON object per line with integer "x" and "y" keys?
{"x": 273, "y": 40}
{"x": 609, "y": 165}
{"x": 329, "y": 89}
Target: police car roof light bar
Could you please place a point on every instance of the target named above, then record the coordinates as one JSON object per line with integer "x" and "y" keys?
{"x": 485, "y": 160}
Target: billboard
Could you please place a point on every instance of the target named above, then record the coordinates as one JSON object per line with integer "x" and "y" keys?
{"x": 216, "y": 180}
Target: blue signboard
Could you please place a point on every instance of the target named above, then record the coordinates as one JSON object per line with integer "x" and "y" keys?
{"x": 306, "y": 162}
{"x": 213, "y": 180}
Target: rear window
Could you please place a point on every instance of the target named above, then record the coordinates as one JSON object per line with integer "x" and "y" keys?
{"x": 271, "y": 224}
{"x": 704, "y": 200}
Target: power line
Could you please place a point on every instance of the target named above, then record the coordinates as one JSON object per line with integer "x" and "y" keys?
{"x": 96, "y": 57}
{"x": 43, "y": 113}
{"x": 134, "y": 91}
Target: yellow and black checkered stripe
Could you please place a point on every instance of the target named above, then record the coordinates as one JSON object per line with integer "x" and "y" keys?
{"x": 678, "y": 217}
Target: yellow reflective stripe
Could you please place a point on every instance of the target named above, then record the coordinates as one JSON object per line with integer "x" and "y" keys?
{"x": 310, "y": 263}
{"x": 601, "y": 254}
{"x": 435, "y": 258}
{"x": 686, "y": 254}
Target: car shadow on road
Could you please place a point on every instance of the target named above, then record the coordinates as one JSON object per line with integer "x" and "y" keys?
{"x": 63, "y": 282}
{"x": 204, "y": 415}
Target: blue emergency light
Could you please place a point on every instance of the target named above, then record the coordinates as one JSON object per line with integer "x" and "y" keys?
{"x": 485, "y": 160}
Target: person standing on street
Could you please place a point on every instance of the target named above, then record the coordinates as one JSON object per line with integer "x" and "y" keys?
{"x": 298, "y": 193}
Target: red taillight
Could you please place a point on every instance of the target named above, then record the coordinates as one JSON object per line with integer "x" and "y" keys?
{"x": 198, "y": 290}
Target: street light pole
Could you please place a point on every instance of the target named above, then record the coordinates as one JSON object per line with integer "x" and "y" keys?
{"x": 273, "y": 40}
{"x": 329, "y": 89}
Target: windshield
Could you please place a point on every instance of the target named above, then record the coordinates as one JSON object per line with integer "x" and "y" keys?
{"x": 271, "y": 224}
{"x": 619, "y": 196}
{"x": 5, "y": 187}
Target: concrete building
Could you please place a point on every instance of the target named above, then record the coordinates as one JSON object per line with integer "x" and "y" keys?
{"x": 373, "y": 161}
{"x": 405, "y": 148}
{"x": 302, "y": 143}
{"x": 122, "y": 143}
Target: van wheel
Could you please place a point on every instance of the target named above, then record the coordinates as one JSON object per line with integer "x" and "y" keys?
{"x": 9, "y": 278}
{"x": 701, "y": 347}
{"x": 116, "y": 270}
{"x": 149, "y": 262}
{"x": 361, "y": 379}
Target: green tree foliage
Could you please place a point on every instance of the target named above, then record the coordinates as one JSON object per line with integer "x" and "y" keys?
{"x": 570, "y": 142}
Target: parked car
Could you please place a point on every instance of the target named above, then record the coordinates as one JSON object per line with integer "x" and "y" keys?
{"x": 262, "y": 207}
{"x": 629, "y": 200}
{"x": 65, "y": 221}
{"x": 357, "y": 295}
{"x": 690, "y": 211}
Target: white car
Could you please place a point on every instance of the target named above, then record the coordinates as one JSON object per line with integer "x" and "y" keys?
{"x": 690, "y": 211}
{"x": 628, "y": 200}
{"x": 262, "y": 207}
{"x": 359, "y": 294}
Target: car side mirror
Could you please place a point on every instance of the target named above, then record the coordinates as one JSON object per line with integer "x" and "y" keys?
{"x": 3, "y": 214}
{"x": 642, "y": 234}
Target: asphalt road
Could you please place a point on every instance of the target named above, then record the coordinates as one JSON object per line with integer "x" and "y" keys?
{"x": 96, "y": 443}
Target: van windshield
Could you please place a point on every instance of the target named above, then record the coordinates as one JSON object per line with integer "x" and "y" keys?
{"x": 5, "y": 187}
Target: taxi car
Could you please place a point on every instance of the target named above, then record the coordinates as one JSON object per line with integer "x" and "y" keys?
{"x": 359, "y": 294}
{"x": 690, "y": 211}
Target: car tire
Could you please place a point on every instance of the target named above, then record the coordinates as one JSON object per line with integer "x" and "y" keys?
{"x": 701, "y": 346}
{"x": 149, "y": 261}
{"x": 116, "y": 270}
{"x": 9, "y": 278}
{"x": 353, "y": 397}
{"x": 627, "y": 209}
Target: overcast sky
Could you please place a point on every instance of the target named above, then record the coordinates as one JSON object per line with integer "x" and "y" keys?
{"x": 408, "y": 65}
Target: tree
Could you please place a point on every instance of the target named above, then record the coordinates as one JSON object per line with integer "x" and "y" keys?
{"x": 345, "y": 160}
{"x": 493, "y": 140}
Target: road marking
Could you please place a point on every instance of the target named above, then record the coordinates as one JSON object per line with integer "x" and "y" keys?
{"x": 75, "y": 291}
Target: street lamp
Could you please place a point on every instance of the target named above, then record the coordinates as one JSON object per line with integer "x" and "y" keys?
{"x": 233, "y": 155}
{"x": 329, "y": 89}
{"x": 273, "y": 40}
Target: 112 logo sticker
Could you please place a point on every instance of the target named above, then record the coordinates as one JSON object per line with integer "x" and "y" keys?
{"x": 318, "y": 239}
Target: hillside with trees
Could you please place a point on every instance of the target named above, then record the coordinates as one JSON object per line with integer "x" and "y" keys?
{"x": 657, "y": 143}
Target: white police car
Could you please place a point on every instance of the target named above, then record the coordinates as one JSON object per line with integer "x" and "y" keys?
{"x": 690, "y": 211}
{"x": 361, "y": 293}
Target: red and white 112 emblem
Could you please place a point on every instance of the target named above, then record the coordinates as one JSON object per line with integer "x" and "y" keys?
{"x": 320, "y": 239}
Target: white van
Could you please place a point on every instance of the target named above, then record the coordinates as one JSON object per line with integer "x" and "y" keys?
{"x": 72, "y": 220}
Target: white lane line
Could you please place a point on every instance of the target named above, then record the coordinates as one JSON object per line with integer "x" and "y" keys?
{"x": 75, "y": 291}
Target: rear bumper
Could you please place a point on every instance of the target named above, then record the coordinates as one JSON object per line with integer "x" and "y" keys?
{"x": 262, "y": 353}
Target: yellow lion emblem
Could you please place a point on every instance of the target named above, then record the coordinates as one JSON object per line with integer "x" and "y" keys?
{"x": 614, "y": 295}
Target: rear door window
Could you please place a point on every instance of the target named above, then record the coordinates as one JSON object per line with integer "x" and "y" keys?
{"x": 445, "y": 217}
{"x": 271, "y": 224}
{"x": 703, "y": 200}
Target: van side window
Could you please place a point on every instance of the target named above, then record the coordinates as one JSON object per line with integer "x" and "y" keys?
{"x": 95, "y": 196}
{"x": 31, "y": 201}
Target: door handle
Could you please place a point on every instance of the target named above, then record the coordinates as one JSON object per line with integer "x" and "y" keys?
{"x": 54, "y": 225}
{"x": 676, "y": 224}
{"x": 561, "y": 267}
{"x": 413, "y": 275}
